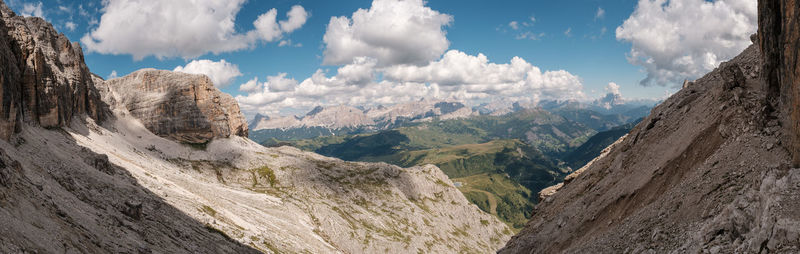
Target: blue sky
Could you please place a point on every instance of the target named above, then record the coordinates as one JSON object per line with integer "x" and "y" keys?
{"x": 590, "y": 51}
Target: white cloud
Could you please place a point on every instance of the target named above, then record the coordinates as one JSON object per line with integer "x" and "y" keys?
{"x": 476, "y": 77}
{"x": 113, "y": 75}
{"x": 179, "y": 28}
{"x": 568, "y": 32}
{"x": 251, "y": 86}
{"x": 297, "y": 17}
{"x": 514, "y": 25}
{"x": 601, "y": 13}
{"x": 683, "y": 39}
{"x": 266, "y": 26}
{"x": 391, "y": 31}
{"x": 31, "y": 9}
{"x": 280, "y": 83}
{"x": 70, "y": 25}
{"x": 612, "y": 88}
{"x": 222, "y": 73}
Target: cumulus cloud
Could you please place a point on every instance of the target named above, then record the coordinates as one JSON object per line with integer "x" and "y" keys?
{"x": 514, "y": 25}
{"x": 390, "y": 31}
{"x": 113, "y": 75}
{"x": 678, "y": 39}
{"x": 279, "y": 83}
{"x": 181, "y": 28}
{"x": 476, "y": 77}
{"x": 251, "y": 86}
{"x": 297, "y": 17}
{"x": 612, "y": 88}
{"x": 222, "y": 73}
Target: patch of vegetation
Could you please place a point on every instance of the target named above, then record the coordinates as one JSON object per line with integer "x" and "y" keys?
{"x": 271, "y": 247}
{"x": 496, "y": 194}
{"x": 208, "y": 210}
{"x": 266, "y": 172}
{"x": 198, "y": 146}
{"x": 220, "y": 232}
{"x": 442, "y": 183}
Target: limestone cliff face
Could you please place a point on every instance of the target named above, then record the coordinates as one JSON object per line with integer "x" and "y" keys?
{"x": 183, "y": 107}
{"x": 779, "y": 38}
{"x": 44, "y": 79}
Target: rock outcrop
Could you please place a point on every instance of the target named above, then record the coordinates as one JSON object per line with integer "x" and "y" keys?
{"x": 779, "y": 38}
{"x": 183, "y": 107}
{"x": 44, "y": 79}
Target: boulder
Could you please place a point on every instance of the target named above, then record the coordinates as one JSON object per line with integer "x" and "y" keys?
{"x": 183, "y": 107}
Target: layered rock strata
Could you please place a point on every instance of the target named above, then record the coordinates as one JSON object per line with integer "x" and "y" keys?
{"x": 183, "y": 107}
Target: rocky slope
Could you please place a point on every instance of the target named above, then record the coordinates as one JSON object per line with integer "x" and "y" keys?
{"x": 709, "y": 171}
{"x": 44, "y": 79}
{"x": 94, "y": 183}
{"x": 183, "y": 107}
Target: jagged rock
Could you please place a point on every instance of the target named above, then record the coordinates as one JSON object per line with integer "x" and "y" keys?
{"x": 100, "y": 162}
{"x": 732, "y": 76}
{"x": 133, "y": 209}
{"x": 183, "y": 107}
{"x": 549, "y": 191}
{"x": 686, "y": 83}
{"x": 43, "y": 76}
{"x": 779, "y": 39}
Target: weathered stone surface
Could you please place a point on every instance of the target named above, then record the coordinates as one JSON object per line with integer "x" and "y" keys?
{"x": 183, "y": 107}
{"x": 779, "y": 38}
{"x": 44, "y": 78}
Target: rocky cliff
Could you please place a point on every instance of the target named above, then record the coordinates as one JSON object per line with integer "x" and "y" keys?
{"x": 709, "y": 171}
{"x": 44, "y": 79}
{"x": 779, "y": 38}
{"x": 183, "y": 107}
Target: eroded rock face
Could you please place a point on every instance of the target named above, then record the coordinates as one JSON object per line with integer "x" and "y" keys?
{"x": 44, "y": 78}
{"x": 183, "y": 107}
{"x": 779, "y": 38}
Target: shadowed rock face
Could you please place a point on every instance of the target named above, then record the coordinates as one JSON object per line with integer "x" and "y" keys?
{"x": 779, "y": 38}
{"x": 183, "y": 107}
{"x": 44, "y": 79}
